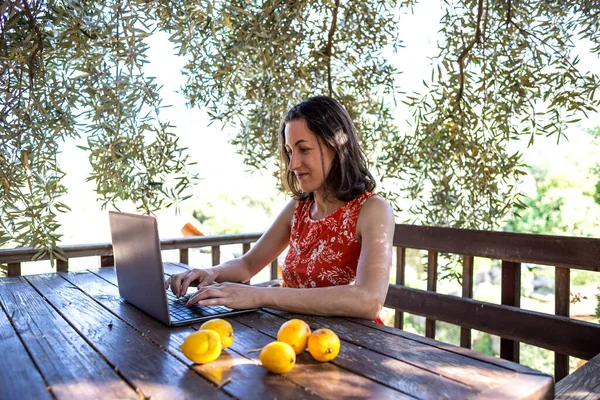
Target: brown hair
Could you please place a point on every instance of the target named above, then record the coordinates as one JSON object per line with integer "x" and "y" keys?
{"x": 329, "y": 121}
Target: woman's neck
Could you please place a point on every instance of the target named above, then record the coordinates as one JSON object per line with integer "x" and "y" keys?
{"x": 322, "y": 208}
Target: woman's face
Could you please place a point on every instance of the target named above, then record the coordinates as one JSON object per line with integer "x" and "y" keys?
{"x": 309, "y": 163}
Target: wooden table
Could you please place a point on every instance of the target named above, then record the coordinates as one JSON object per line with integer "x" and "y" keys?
{"x": 70, "y": 335}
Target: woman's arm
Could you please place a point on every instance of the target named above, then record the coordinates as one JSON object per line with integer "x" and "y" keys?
{"x": 268, "y": 247}
{"x": 375, "y": 230}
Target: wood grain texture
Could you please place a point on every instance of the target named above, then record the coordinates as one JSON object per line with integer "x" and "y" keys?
{"x": 232, "y": 364}
{"x": 142, "y": 363}
{"x": 575, "y": 252}
{"x": 478, "y": 374}
{"x": 562, "y": 302}
{"x": 71, "y": 368}
{"x": 432, "y": 271}
{"x": 584, "y": 383}
{"x": 522, "y": 387}
{"x": 451, "y": 348}
{"x": 400, "y": 277}
{"x": 401, "y": 376}
{"x": 467, "y": 293}
{"x": 511, "y": 296}
{"x": 22, "y": 380}
{"x": 14, "y": 269}
{"x": 565, "y": 335}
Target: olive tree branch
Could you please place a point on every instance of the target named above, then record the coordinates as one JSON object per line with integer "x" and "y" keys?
{"x": 39, "y": 44}
{"x": 329, "y": 47}
{"x": 544, "y": 43}
{"x": 465, "y": 52}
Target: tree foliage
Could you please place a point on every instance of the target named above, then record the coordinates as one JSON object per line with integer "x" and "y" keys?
{"x": 505, "y": 70}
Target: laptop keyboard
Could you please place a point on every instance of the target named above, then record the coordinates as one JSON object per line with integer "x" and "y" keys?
{"x": 180, "y": 312}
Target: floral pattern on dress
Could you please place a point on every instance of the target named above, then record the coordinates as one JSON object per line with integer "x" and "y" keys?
{"x": 324, "y": 252}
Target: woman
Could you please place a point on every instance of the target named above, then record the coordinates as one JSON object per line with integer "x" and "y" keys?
{"x": 337, "y": 231}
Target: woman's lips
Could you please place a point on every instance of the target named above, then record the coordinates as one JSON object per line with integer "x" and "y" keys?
{"x": 301, "y": 176}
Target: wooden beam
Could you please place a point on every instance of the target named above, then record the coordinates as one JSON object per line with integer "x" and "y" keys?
{"x": 467, "y": 293}
{"x": 14, "y": 269}
{"x": 562, "y": 299}
{"x": 107, "y": 261}
{"x": 511, "y": 296}
{"x": 552, "y": 332}
{"x": 432, "y": 269}
{"x": 216, "y": 255}
{"x": 400, "y": 276}
{"x": 274, "y": 272}
{"x": 62, "y": 265}
{"x": 575, "y": 252}
{"x": 184, "y": 256}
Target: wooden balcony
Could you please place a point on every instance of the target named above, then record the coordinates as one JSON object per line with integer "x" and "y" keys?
{"x": 556, "y": 332}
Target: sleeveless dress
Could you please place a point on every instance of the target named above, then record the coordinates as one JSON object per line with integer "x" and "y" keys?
{"x": 324, "y": 252}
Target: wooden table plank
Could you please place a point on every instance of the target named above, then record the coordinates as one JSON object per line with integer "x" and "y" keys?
{"x": 454, "y": 349}
{"x": 399, "y": 363}
{"x": 326, "y": 379}
{"x": 145, "y": 366}
{"x": 70, "y": 367}
{"x": 475, "y": 373}
{"x": 523, "y": 386}
{"x": 301, "y": 376}
{"x": 231, "y": 365}
{"x": 20, "y": 378}
{"x": 581, "y": 384}
{"x": 396, "y": 374}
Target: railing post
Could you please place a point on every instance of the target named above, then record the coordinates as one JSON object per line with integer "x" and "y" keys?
{"x": 107, "y": 261}
{"x": 467, "y": 292}
{"x": 274, "y": 271}
{"x": 562, "y": 293}
{"x": 62, "y": 265}
{"x": 511, "y": 296}
{"x": 245, "y": 248}
{"x": 400, "y": 274}
{"x": 184, "y": 256}
{"x": 216, "y": 255}
{"x": 14, "y": 269}
{"x": 432, "y": 267}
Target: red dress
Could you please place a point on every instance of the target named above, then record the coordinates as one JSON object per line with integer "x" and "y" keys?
{"x": 324, "y": 252}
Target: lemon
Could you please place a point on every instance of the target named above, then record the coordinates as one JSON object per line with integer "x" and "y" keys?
{"x": 278, "y": 357}
{"x": 294, "y": 332}
{"x": 223, "y": 328}
{"x": 324, "y": 345}
{"x": 202, "y": 346}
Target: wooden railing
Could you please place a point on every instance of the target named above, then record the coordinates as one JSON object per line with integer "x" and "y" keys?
{"x": 558, "y": 333}
{"x": 13, "y": 258}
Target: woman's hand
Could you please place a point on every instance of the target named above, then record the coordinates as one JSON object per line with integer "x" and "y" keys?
{"x": 232, "y": 295}
{"x": 179, "y": 283}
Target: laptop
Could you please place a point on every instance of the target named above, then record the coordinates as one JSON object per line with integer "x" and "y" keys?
{"x": 140, "y": 274}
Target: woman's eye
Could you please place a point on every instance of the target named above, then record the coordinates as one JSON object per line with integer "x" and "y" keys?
{"x": 303, "y": 150}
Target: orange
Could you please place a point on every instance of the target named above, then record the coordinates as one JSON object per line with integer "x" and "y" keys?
{"x": 278, "y": 357}
{"x": 202, "y": 346}
{"x": 223, "y": 328}
{"x": 324, "y": 345}
{"x": 294, "y": 332}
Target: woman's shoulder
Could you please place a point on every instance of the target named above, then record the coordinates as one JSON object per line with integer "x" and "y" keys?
{"x": 375, "y": 203}
{"x": 375, "y": 211}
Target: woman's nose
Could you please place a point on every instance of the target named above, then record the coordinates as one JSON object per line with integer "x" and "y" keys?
{"x": 294, "y": 162}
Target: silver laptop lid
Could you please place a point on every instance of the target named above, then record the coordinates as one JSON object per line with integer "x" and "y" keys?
{"x": 138, "y": 262}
